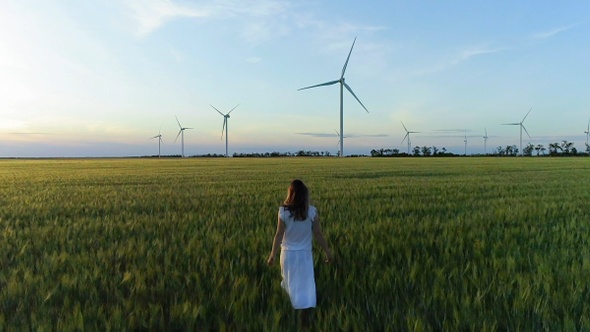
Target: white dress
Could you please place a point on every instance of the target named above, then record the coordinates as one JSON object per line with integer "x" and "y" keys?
{"x": 297, "y": 259}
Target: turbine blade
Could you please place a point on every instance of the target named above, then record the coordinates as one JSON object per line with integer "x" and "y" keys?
{"x": 317, "y": 85}
{"x": 217, "y": 110}
{"x": 179, "y": 132}
{"x": 510, "y": 124}
{"x": 178, "y": 122}
{"x": 523, "y": 127}
{"x": 233, "y": 109}
{"x": 527, "y": 114}
{"x": 355, "y": 97}
{"x": 348, "y": 58}
{"x": 404, "y": 127}
{"x": 407, "y": 135}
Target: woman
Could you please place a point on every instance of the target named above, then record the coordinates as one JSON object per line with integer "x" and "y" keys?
{"x": 297, "y": 223}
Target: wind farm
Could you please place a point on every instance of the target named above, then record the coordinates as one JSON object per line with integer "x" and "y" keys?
{"x": 101, "y": 231}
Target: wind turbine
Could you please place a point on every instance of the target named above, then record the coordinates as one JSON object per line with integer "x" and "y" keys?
{"x": 465, "y": 140}
{"x": 587, "y": 132}
{"x": 485, "y": 141}
{"x": 159, "y": 137}
{"x": 181, "y": 133}
{"x": 342, "y": 86}
{"x": 521, "y": 128}
{"x": 408, "y": 136}
{"x": 225, "y": 117}
{"x": 339, "y": 139}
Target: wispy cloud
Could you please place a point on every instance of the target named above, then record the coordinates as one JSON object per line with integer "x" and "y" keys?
{"x": 457, "y": 58}
{"x": 553, "y": 32}
{"x": 471, "y": 52}
{"x": 152, "y": 14}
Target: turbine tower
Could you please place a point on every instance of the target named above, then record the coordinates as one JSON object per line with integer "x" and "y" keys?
{"x": 159, "y": 137}
{"x": 224, "y": 127}
{"x": 485, "y": 141}
{"x": 342, "y": 86}
{"x": 521, "y": 128}
{"x": 181, "y": 133}
{"x": 408, "y": 136}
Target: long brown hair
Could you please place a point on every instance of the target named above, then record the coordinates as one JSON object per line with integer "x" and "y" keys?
{"x": 297, "y": 201}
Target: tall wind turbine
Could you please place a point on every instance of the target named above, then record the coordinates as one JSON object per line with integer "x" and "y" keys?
{"x": 465, "y": 141}
{"x": 159, "y": 137}
{"x": 485, "y": 141}
{"x": 225, "y": 117}
{"x": 521, "y": 128}
{"x": 181, "y": 133}
{"x": 408, "y": 136}
{"x": 342, "y": 86}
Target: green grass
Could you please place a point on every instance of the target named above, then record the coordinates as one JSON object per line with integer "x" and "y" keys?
{"x": 420, "y": 243}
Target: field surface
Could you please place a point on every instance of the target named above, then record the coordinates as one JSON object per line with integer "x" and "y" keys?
{"x": 420, "y": 244}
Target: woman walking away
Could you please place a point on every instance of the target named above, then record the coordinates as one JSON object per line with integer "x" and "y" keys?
{"x": 297, "y": 223}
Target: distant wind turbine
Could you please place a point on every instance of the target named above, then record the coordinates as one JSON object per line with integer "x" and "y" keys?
{"x": 342, "y": 86}
{"x": 225, "y": 117}
{"x": 159, "y": 137}
{"x": 339, "y": 139}
{"x": 408, "y": 136}
{"x": 465, "y": 140}
{"x": 521, "y": 128}
{"x": 485, "y": 141}
{"x": 587, "y": 132}
{"x": 181, "y": 133}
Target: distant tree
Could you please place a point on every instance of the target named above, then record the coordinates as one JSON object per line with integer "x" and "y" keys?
{"x": 434, "y": 150}
{"x": 554, "y": 148}
{"x": 416, "y": 150}
{"x": 500, "y": 151}
{"x": 538, "y": 148}
{"x": 426, "y": 151}
{"x": 587, "y": 148}
{"x": 566, "y": 146}
{"x": 574, "y": 151}
{"x": 528, "y": 150}
{"x": 508, "y": 150}
{"x": 395, "y": 151}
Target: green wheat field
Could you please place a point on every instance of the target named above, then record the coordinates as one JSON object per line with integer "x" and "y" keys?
{"x": 181, "y": 244}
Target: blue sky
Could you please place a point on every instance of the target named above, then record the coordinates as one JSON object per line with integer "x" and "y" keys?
{"x": 99, "y": 78}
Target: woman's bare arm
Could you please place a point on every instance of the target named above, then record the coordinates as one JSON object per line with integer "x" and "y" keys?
{"x": 319, "y": 237}
{"x": 276, "y": 242}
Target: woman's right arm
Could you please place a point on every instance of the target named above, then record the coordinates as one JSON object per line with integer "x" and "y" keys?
{"x": 276, "y": 242}
{"x": 319, "y": 237}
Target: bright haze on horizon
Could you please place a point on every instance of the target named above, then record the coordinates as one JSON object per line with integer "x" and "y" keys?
{"x": 100, "y": 78}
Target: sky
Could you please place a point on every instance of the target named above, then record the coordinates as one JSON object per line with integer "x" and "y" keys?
{"x": 101, "y": 78}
